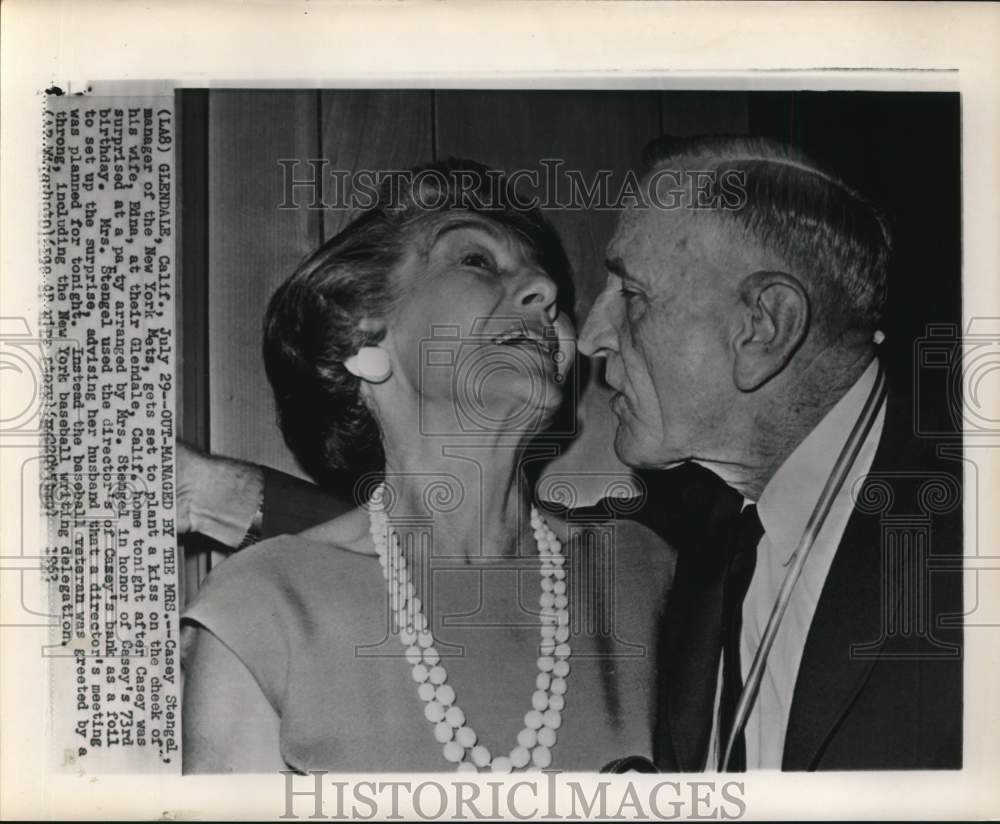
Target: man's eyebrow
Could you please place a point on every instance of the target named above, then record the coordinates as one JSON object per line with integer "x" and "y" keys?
{"x": 616, "y": 266}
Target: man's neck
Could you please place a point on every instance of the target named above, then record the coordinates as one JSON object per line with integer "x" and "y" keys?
{"x": 784, "y": 419}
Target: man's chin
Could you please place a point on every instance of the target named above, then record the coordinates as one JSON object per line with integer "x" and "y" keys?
{"x": 627, "y": 448}
{"x": 639, "y": 454}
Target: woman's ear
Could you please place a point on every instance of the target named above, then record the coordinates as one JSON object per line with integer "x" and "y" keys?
{"x": 371, "y": 363}
{"x": 372, "y": 325}
{"x": 775, "y": 315}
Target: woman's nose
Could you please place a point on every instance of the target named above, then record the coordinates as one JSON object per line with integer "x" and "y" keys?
{"x": 537, "y": 289}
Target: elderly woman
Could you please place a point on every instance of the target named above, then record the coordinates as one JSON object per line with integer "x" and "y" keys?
{"x": 445, "y": 622}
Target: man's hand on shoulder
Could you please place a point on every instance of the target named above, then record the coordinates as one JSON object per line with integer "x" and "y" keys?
{"x": 217, "y": 497}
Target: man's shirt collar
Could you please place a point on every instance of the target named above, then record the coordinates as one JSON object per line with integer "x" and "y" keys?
{"x": 789, "y": 497}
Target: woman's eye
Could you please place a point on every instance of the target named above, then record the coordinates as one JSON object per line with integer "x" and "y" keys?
{"x": 478, "y": 260}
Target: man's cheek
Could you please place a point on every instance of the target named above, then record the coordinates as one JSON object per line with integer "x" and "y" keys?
{"x": 633, "y": 366}
{"x": 643, "y": 386}
{"x": 647, "y": 353}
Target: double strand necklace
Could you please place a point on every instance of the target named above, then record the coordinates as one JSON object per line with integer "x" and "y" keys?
{"x": 460, "y": 743}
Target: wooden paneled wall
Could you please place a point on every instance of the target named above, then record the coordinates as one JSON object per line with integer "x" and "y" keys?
{"x": 242, "y": 245}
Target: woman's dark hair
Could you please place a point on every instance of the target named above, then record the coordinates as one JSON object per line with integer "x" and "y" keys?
{"x": 312, "y": 322}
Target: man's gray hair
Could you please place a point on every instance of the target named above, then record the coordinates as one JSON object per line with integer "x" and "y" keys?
{"x": 822, "y": 228}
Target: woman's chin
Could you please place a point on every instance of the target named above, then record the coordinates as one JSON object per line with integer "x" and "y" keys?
{"x": 526, "y": 405}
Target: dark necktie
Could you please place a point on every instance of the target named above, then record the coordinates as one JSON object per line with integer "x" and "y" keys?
{"x": 747, "y": 533}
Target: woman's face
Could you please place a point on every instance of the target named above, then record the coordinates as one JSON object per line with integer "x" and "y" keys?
{"x": 476, "y": 332}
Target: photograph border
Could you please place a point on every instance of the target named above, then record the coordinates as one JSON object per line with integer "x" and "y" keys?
{"x": 104, "y": 47}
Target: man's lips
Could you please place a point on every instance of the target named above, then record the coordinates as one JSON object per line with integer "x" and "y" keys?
{"x": 619, "y": 402}
{"x": 612, "y": 383}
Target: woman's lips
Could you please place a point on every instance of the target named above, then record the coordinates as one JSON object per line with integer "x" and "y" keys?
{"x": 565, "y": 353}
{"x": 555, "y": 343}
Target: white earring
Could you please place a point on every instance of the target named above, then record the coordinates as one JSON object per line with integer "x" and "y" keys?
{"x": 371, "y": 364}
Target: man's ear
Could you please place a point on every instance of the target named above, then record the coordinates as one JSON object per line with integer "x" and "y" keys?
{"x": 775, "y": 319}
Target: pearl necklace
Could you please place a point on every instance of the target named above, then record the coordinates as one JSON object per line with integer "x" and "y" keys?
{"x": 459, "y": 740}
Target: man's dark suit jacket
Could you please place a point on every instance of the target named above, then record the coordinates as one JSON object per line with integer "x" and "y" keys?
{"x": 880, "y": 680}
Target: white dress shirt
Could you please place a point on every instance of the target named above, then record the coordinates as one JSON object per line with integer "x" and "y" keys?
{"x": 784, "y": 508}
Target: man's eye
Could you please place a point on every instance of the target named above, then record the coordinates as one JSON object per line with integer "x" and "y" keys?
{"x": 628, "y": 294}
{"x": 478, "y": 260}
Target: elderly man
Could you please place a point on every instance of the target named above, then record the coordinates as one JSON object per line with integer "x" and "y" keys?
{"x": 740, "y": 336}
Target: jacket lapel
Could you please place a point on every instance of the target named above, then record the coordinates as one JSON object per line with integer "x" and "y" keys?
{"x": 848, "y": 615}
{"x": 846, "y": 633}
{"x": 691, "y": 632}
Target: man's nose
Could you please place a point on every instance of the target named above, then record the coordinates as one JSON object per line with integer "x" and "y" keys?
{"x": 537, "y": 289}
{"x": 598, "y": 338}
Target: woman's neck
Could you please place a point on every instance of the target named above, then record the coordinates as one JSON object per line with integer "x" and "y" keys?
{"x": 473, "y": 493}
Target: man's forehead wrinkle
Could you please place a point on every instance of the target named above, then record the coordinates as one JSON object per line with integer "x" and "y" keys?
{"x": 703, "y": 242}
{"x": 668, "y": 248}
{"x": 663, "y": 249}
{"x": 622, "y": 238}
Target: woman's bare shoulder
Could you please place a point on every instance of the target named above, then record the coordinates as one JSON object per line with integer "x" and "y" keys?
{"x": 287, "y": 570}
{"x": 348, "y": 532}
{"x": 339, "y": 545}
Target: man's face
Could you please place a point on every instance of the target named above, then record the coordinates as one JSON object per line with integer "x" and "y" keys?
{"x": 664, "y": 322}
